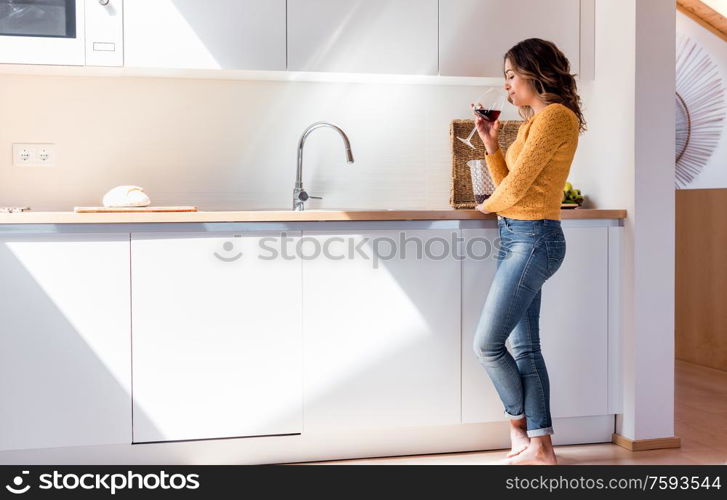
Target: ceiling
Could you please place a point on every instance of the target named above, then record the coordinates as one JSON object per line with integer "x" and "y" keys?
{"x": 718, "y": 5}
{"x": 708, "y": 13}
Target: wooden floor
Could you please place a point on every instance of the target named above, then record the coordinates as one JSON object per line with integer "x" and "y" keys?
{"x": 700, "y": 422}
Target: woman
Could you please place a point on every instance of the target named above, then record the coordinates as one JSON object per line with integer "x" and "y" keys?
{"x": 529, "y": 183}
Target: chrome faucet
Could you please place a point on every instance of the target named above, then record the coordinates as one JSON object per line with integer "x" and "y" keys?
{"x": 299, "y": 194}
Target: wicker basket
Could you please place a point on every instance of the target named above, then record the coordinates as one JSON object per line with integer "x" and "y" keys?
{"x": 460, "y": 193}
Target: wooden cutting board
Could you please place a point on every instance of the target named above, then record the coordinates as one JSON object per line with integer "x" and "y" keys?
{"x": 134, "y": 209}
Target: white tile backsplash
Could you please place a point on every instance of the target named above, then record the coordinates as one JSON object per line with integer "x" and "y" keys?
{"x": 229, "y": 144}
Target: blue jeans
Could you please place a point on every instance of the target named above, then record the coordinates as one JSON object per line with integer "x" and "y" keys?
{"x": 531, "y": 251}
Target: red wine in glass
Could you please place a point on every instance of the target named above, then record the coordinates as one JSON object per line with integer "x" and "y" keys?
{"x": 488, "y": 105}
{"x": 488, "y": 114}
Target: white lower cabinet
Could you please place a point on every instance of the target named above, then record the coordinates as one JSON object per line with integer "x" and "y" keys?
{"x": 65, "y": 378}
{"x": 217, "y": 347}
{"x": 381, "y": 329}
{"x": 573, "y": 327}
{"x": 480, "y": 402}
{"x": 166, "y": 336}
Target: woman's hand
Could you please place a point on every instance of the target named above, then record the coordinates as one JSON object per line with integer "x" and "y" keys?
{"x": 479, "y": 207}
{"x": 487, "y": 130}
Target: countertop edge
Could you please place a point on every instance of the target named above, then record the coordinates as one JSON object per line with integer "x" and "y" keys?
{"x": 278, "y": 216}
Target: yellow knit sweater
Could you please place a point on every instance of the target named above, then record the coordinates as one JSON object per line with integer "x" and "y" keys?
{"x": 529, "y": 179}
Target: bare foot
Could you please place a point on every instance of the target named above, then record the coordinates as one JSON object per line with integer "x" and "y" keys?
{"x": 535, "y": 454}
{"x": 518, "y": 437}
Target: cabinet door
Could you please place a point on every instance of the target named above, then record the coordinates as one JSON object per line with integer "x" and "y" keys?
{"x": 475, "y": 34}
{"x": 211, "y": 34}
{"x": 363, "y": 36}
{"x": 216, "y": 336}
{"x": 574, "y": 319}
{"x": 65, "y": 341}
{"x": 382, "y": 336}
{"x": 573, "y": 329}
{"x": 480, "y": 402}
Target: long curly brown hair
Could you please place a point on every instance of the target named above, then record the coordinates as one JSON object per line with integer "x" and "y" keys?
{"x": 548, "y": 70}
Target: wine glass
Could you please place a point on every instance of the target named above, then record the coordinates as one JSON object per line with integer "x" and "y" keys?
{"x": 489, "y": 105}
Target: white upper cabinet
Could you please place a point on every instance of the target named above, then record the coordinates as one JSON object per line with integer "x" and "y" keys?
{"x": 363, "y": 36}
{"x": 214, "y": 34}
{"x": 475, "y": 34}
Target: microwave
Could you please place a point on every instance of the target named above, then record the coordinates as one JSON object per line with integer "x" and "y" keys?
{"x": 63, "y": 32}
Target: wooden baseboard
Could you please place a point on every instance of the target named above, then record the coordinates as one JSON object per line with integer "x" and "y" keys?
{"x": 645, "y": 444}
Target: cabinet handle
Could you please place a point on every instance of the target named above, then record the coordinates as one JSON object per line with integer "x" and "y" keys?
{"x": 103, "y": 2}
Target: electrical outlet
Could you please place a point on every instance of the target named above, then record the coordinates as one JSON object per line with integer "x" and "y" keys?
{"x": 21, "y": 154}
{"x": 34, "y": 155}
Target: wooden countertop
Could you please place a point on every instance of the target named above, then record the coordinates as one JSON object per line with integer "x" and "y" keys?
{"x": 32, "y": 217}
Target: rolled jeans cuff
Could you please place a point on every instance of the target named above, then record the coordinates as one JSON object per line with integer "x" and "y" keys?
{"x": 514, "y": 417}
{"x": 540, "y": 432}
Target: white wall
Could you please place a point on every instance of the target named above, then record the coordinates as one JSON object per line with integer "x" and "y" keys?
{"x": 225, "y": 144}
{"x": 714, "y": 172}
{"x": 230, "y": 144}
{"x": 604, "y": 161}
{"x": 649, "y": 404}
{"x": 626, "y": 160}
